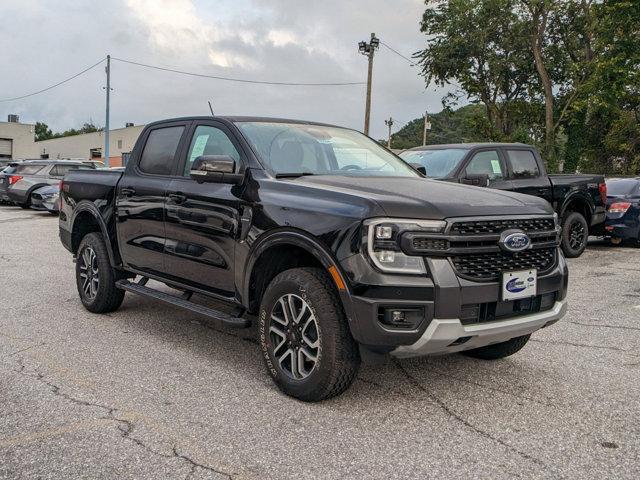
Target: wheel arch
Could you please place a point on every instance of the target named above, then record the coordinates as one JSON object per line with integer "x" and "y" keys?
{"x": 87, "y": 219}
{"x": 578, "y": 202}
{"x": 279, "y": 251}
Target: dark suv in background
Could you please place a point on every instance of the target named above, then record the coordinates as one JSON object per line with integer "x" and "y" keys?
{"x": 579, "y": 200}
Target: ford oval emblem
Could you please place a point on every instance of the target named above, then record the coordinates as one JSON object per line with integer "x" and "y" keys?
{"x": 514, "y": 241}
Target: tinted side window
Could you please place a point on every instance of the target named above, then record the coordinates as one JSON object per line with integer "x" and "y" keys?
{"x": 29, "y": 169}
{"x": 158, "y": 156}
{"x": 209, "y": 140}
{"x": 486, "y": 163}
{"x": 523, "y": 164}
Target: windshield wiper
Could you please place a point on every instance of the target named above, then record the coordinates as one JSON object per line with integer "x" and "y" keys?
{"x": 294, "y": 174}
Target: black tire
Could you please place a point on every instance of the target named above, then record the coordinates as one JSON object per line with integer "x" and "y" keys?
{"x": 24, "y": 206}
{"x": 102, "y": 296}
{"x": 337, "y": 352}
{"x": 575, "y": 233}
{"x": 498, "y": 350}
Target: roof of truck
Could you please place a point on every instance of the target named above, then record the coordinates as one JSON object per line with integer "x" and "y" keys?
{"x": 238, "y": 119}
{"x": 466, "y": 146}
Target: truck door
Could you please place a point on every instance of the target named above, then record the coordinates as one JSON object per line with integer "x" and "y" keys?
{"x": 140, "y": 198}
{"x": 485, "y": 168}
{"x": 527, "y": 176}
{"x": 203, "y": 219}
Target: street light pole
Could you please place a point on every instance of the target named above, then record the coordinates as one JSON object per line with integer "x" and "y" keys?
{"x": 106, "y": 122}
{"x": 368, "y": 49}
{"x": 389, "y": 123}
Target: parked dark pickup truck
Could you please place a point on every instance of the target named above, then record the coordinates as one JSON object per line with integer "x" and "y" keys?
{"x": 342, "y": 250}
{"x": 579, "y": 200}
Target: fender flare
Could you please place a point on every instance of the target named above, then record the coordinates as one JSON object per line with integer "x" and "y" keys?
{"x": 89, "y": 207}
{"x": 577, "y": 197}
{"x": 289, "y": 237}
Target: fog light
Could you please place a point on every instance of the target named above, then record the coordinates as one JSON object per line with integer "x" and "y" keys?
{"x": 401, "y": 317}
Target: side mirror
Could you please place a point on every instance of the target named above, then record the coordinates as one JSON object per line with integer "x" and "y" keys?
{"x": 478, "y": 179}
{"x": 215, "y": 169}
{"x": 419, "y": 167}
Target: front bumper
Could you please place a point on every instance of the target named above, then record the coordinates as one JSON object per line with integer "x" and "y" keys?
{"x": 444, "y": 335}
{"x": 445, "y": 298}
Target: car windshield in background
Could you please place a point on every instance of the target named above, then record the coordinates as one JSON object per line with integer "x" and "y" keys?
{"x": 290, "y": 148}
{"x": 621, "y": 187}
{"x": 438, "y": 163}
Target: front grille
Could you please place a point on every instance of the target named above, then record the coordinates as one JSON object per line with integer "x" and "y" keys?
{"x": 489, "y": 266}
{"x": 423, "y": 243}
{"x": 480, "y": 227}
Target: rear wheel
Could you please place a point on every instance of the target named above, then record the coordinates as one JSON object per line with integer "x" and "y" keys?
{"x": 95, "y": 277}
{"x": 575, "y": 233}
{"x": 306, "y": 343}
{"x": 498, "y": 350}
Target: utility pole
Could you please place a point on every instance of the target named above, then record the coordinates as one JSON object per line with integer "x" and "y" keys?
{"x": 427, "y": 126}
{"x": 368, "y": 50}
{"x": 389, "y": 123}
{"x": 106, "y": 122}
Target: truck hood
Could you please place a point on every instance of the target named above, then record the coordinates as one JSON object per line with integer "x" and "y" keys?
{"x": 409, "y": 197}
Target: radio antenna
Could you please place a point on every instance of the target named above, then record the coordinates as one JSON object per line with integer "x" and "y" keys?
{"x": 211, "y": 108}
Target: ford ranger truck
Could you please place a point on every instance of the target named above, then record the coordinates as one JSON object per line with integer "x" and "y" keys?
{"x": 339, "y": 250}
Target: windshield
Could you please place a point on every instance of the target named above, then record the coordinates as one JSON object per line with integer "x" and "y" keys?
{"x": 439, "y": 163}
{"x": 622, "y": 187}
{"x": 289, "y": 148}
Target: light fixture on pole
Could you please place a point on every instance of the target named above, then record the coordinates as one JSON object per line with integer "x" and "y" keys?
{"x": 368, "y": 49}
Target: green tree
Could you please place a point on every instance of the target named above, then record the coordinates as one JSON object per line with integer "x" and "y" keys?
{"x": 42, "y": 131}
{"x": 482, "y": 48}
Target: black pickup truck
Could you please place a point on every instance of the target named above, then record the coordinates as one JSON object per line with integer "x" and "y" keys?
{"x": 339, "y": 249}
{"x": 579, "y": 200}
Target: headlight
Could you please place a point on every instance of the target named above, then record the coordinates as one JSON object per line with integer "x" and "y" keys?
{"x": 383, "y": 247}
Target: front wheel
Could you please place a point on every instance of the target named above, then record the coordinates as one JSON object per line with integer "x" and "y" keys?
{"x": 95, "y": 277}
{"x": 304, "y": 336}
{"x": 498, "y": 350}
{"x": 575, "y": 233}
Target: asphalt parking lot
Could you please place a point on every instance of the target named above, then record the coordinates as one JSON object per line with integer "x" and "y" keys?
{"x": 155, "y": 392}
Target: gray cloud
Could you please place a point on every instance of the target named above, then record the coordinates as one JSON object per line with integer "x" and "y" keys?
{"x": 281, "y": 40}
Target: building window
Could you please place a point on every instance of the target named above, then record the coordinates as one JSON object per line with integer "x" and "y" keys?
{"x": 120, "y": 144}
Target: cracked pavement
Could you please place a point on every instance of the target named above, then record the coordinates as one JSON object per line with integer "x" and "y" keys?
{"x": 151, "y": 391}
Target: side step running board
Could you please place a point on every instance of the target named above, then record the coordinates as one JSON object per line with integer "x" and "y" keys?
{"x": 182, "y": 302}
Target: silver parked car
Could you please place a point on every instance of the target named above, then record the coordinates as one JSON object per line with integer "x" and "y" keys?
{"x": 47, "y": 199}
{"x": 33, "y": 174}
{"x": 5, "y": 172}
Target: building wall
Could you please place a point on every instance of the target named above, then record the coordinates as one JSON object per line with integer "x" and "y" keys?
{"x": 121, "y": 140}
{"x": 22, "y": 136}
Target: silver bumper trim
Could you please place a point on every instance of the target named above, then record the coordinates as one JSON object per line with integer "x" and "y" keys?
{"x": 441, "y": 333}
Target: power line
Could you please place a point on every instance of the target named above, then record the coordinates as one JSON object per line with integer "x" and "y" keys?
{"x": 53, "y": 86}
{"x": 399, "y": 54}
{"x": 241, "y": 80}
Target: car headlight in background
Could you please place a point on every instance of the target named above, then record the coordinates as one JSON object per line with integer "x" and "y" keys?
{"x": 383, "y": 246}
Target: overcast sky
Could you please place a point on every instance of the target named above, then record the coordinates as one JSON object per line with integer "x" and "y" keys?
{"x": 45, "y": 41}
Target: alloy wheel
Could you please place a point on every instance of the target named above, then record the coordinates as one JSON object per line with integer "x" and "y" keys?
{"x": 295, "y": 336}
{"x": 89, "y": 273}
{"x": 576, "y": 235}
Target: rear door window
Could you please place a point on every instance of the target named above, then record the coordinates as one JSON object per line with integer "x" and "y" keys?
{"x": 29, "y": 169}
{"x": 523, "y": 164}
{"x": 159, "y": 154}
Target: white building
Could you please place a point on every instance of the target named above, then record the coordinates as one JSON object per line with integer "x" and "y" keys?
{"x": 17, "y": 140}
{"x": 91, "y": 145}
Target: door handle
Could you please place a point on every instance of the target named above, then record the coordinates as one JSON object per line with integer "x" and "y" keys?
{"x": 177, "y": 198}
{"x": 128, "y": 191}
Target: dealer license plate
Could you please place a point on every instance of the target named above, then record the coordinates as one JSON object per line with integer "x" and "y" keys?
{"x": 520, "y": 284}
